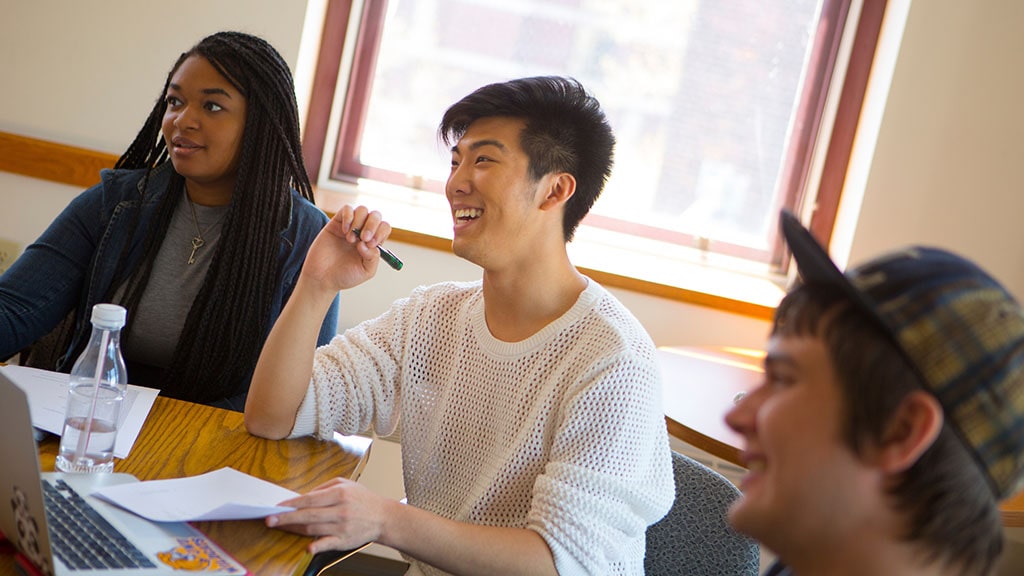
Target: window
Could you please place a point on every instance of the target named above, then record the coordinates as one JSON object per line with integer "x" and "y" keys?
{"x": 719, "y": 108}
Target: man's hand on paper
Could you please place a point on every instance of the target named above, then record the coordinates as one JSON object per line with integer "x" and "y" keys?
{"x": 343, "y": 513}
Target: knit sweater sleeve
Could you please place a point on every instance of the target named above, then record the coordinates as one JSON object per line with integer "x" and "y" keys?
{"x": 354, "y": 384}
{"x": 356, "y": 377}
{"x": 609, "y": 475}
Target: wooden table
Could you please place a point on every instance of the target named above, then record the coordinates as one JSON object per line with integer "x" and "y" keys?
{"x": 184, "y": 439}
{"x": 699, "y": 387}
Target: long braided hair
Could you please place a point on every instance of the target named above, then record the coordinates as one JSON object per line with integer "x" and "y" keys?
{"x": 226, "y": 325}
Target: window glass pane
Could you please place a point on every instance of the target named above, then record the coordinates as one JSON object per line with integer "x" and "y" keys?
{"x": 701, "y": 95}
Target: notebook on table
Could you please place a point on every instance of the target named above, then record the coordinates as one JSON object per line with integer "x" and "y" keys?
{"x": 42, "y": 515}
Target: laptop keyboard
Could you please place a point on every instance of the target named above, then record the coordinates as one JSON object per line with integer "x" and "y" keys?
{"x": 81, "y": 538}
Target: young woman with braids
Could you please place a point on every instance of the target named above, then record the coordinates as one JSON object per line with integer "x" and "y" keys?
{"x": 200, "y": 231}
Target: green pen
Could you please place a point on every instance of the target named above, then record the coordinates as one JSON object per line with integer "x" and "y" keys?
{"x": 385, "y": 254}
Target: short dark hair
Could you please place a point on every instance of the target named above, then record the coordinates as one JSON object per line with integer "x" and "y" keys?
{"x": 951, "y": 511}
{"x": 230, "y": 317}
{"x": 566, "y": 131}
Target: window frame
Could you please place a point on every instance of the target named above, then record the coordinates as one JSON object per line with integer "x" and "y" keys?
{"x": 832, "y": 138}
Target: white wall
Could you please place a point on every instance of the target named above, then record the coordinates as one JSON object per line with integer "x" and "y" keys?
{"x": 943, "y": 171}
{"x": 939, "y": 170}
{"x": 87, "y": 73}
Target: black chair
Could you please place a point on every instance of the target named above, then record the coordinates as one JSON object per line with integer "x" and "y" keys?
{"x": 695, "y": 538}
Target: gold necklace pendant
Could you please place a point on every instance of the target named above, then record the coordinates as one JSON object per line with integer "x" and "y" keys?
{"x": 197, "y": 243}
{"x": 197, "y": 240}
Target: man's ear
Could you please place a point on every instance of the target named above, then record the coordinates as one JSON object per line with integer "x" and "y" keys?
{"x": 558, "y": 188}
{"x": 912, "y": 429}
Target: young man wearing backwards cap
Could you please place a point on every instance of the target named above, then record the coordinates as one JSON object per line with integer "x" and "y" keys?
{"x": 891, "y": 420}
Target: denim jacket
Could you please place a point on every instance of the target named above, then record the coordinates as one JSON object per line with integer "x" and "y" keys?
{"x": 72, "y": 265}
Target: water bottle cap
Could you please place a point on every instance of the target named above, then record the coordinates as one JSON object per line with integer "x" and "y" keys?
{"x": 108, "y": 315}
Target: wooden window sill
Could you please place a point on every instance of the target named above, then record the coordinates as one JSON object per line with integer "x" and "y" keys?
{"x": 421, "y": 218}
{"x": 613, "y": 259}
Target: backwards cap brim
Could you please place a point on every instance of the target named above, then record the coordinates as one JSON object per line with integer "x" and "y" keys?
{"x": 817, "y": 268}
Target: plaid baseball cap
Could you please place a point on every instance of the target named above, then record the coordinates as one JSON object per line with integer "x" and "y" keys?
{"x": 959, "y": 329}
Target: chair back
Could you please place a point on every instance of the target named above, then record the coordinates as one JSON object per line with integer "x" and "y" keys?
{"x": 695, "y": 538}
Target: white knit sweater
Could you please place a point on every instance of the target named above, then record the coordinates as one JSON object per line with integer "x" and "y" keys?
{"x": 562, "y": 433}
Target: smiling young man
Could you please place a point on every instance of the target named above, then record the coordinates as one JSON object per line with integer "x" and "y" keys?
{"x": 533, "y": 438}
{"x": 891, "y": 419}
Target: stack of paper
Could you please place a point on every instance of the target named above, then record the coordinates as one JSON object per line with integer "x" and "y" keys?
{"x": 48, "y": 396}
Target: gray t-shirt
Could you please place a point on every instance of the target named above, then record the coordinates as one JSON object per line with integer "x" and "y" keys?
{"x": 173, "y": 284}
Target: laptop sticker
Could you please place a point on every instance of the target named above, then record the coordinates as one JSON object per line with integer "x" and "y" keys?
{"x": 196, "y": 555}
{"x": 28, "y": 532}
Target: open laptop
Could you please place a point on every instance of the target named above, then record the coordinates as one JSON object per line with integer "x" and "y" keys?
{"x": 33, "y": 524}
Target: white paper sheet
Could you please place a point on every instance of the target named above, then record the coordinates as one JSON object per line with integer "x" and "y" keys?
{"x": 48, "y": 396}
{"x": 224, "y": 494}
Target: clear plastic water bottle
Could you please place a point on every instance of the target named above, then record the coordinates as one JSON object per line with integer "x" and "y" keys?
{"x": 97, "y": 388}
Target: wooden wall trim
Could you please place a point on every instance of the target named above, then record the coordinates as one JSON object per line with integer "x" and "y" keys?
{"x": 80, "y": 167}
{"x": 51, "y": 161}
{"x": 610, "y": 280}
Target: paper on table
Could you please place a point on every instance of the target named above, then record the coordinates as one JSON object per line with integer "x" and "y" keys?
{"x": 48, "y": 396}
{"x": 224, "y": 494}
